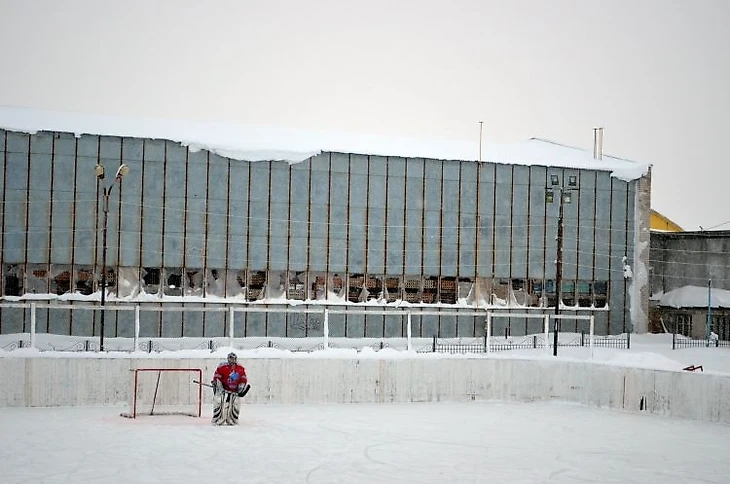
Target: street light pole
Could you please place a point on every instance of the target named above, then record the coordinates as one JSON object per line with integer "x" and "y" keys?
{"x": 106, "y": 192}
{"x": 558, "y": 277}
{"x": 564, "y": 194}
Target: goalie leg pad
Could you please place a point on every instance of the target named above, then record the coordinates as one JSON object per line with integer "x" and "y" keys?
{"x": 219, "y": 410}
{"x": 234, "y": 409}
{"x": 226, "y": 409}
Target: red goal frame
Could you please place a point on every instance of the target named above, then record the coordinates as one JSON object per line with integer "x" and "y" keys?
{"x": 196, "y": 372}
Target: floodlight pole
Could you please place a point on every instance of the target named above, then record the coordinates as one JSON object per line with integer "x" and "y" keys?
{"x": 105, "y": 192}
{"x": 564, "y": 195}
{"x": 558, "y": 276}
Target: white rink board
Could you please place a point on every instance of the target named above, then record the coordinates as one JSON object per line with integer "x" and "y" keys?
{"x": 50, "y": 381}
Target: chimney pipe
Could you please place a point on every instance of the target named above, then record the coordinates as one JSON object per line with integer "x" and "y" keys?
{"x": 598, "y": 143}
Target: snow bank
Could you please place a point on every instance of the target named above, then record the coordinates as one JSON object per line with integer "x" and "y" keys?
{"x": 262, "y": 143}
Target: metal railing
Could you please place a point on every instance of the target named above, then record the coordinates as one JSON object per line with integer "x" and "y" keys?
{"x": 679, "y": 342}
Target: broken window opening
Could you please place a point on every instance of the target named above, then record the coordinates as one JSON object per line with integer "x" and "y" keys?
{"x": 36, "y": 279}
{"x": 214, "y": 283}
{"x": 128, "y": 282}
{"x": 297, "y": 289}
{"x": 430, "y": 289}
{"x": 412, "y": 289}
{"x": 256, "y": 285}
{"x": 173, "y": 282}
{"x": 355, "y": 286}
{"x": 236, "y": 283}
{"x": 318, "y": 288}
{"x": 61, "y": 280}
{"x": 447, "y": 291}
{"x": 336, "y": 288}
{"x": 13, "y": 280}
{"x": 374, "y": 287}
{"x": 151, "y": 280}
{"x": 193, "y": 282}
{"x": 392, "y": 288}
{"x": 84, "y": 282}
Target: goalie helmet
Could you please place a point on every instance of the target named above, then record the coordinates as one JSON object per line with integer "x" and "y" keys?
{"x": 232, "y": 358}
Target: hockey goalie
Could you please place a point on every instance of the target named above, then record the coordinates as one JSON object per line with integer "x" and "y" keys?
{"x": 230, "y": 384}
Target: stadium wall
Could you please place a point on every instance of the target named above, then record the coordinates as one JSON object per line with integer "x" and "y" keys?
{"x": 82, "y": 381}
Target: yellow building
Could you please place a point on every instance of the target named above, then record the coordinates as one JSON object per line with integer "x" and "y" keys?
{"x": 658, "y": 221}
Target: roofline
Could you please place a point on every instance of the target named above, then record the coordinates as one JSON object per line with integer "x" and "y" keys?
{"x": 583, "y": 149}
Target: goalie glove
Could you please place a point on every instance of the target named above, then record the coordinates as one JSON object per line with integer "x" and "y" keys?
{"x": 217, "y": 387}
{"x": 242, "y": 389}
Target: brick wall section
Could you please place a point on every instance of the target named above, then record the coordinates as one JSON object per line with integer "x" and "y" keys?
{"x": 640, "y": 314}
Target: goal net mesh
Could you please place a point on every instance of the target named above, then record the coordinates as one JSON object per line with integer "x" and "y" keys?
{"x": 165, "y": 391}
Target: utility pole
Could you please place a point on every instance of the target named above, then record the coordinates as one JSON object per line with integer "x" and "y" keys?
{"x": 558, "y": 277}
{"x": 565, "y": 196}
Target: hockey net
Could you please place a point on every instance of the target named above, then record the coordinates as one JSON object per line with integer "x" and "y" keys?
{"x": 165, "y": 391}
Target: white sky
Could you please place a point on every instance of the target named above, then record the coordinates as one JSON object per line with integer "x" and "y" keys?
{"x": 653, "y": 73}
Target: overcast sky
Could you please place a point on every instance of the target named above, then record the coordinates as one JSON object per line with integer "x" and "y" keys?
{"x": 654, "y": 73}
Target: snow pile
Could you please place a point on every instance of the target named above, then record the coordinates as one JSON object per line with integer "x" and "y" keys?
{"x": 258, "y": 143}
{"x": 695, "y": 297}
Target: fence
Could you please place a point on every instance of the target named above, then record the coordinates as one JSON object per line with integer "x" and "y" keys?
{"x": 304, "y": 328}
{"x": 679, "y": 342}
{"x": 530, "y": 342}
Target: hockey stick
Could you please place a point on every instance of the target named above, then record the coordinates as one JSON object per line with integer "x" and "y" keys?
{"x": 245, "y": 390}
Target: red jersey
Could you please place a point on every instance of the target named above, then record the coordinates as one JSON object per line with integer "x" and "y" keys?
{"x": 231, "y": 376}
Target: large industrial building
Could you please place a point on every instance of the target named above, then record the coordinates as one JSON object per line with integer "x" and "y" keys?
{"x": 296, "y": 222}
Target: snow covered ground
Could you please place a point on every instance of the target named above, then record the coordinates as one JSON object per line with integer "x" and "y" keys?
{"x": 478, "y": 442}
{"x": 450, "y": 442}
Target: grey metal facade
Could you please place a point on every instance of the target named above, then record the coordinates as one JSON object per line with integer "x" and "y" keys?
{"x": 338, "y": 225}
{"x": 699, "y": 259}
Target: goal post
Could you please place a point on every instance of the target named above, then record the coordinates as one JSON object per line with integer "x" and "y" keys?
{"x": 165, "y": 391}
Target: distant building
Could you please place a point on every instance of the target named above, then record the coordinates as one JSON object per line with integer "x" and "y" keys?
{"x": 690, "y": 272}
{"x": 685, "y": 311}
{"x": 284, "y": 219}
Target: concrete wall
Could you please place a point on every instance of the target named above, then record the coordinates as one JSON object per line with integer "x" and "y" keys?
{"x": 47, "y": 381}
{"x": 689, "y": 259}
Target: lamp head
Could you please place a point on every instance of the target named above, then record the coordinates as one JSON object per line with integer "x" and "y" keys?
{"x": 121, "y": 171}
{"x": 549, "y": 196}
{"x": 99, "y": 171}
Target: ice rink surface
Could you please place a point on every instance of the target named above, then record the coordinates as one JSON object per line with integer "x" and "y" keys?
{"x": 475, "y": 442}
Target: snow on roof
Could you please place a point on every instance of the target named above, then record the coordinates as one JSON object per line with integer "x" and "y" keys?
{"x": 695, "y": 297}
{"x": 258, "y": 143}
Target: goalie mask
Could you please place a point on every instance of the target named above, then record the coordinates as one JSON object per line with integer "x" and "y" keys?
{"x": 232, "y": 358}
